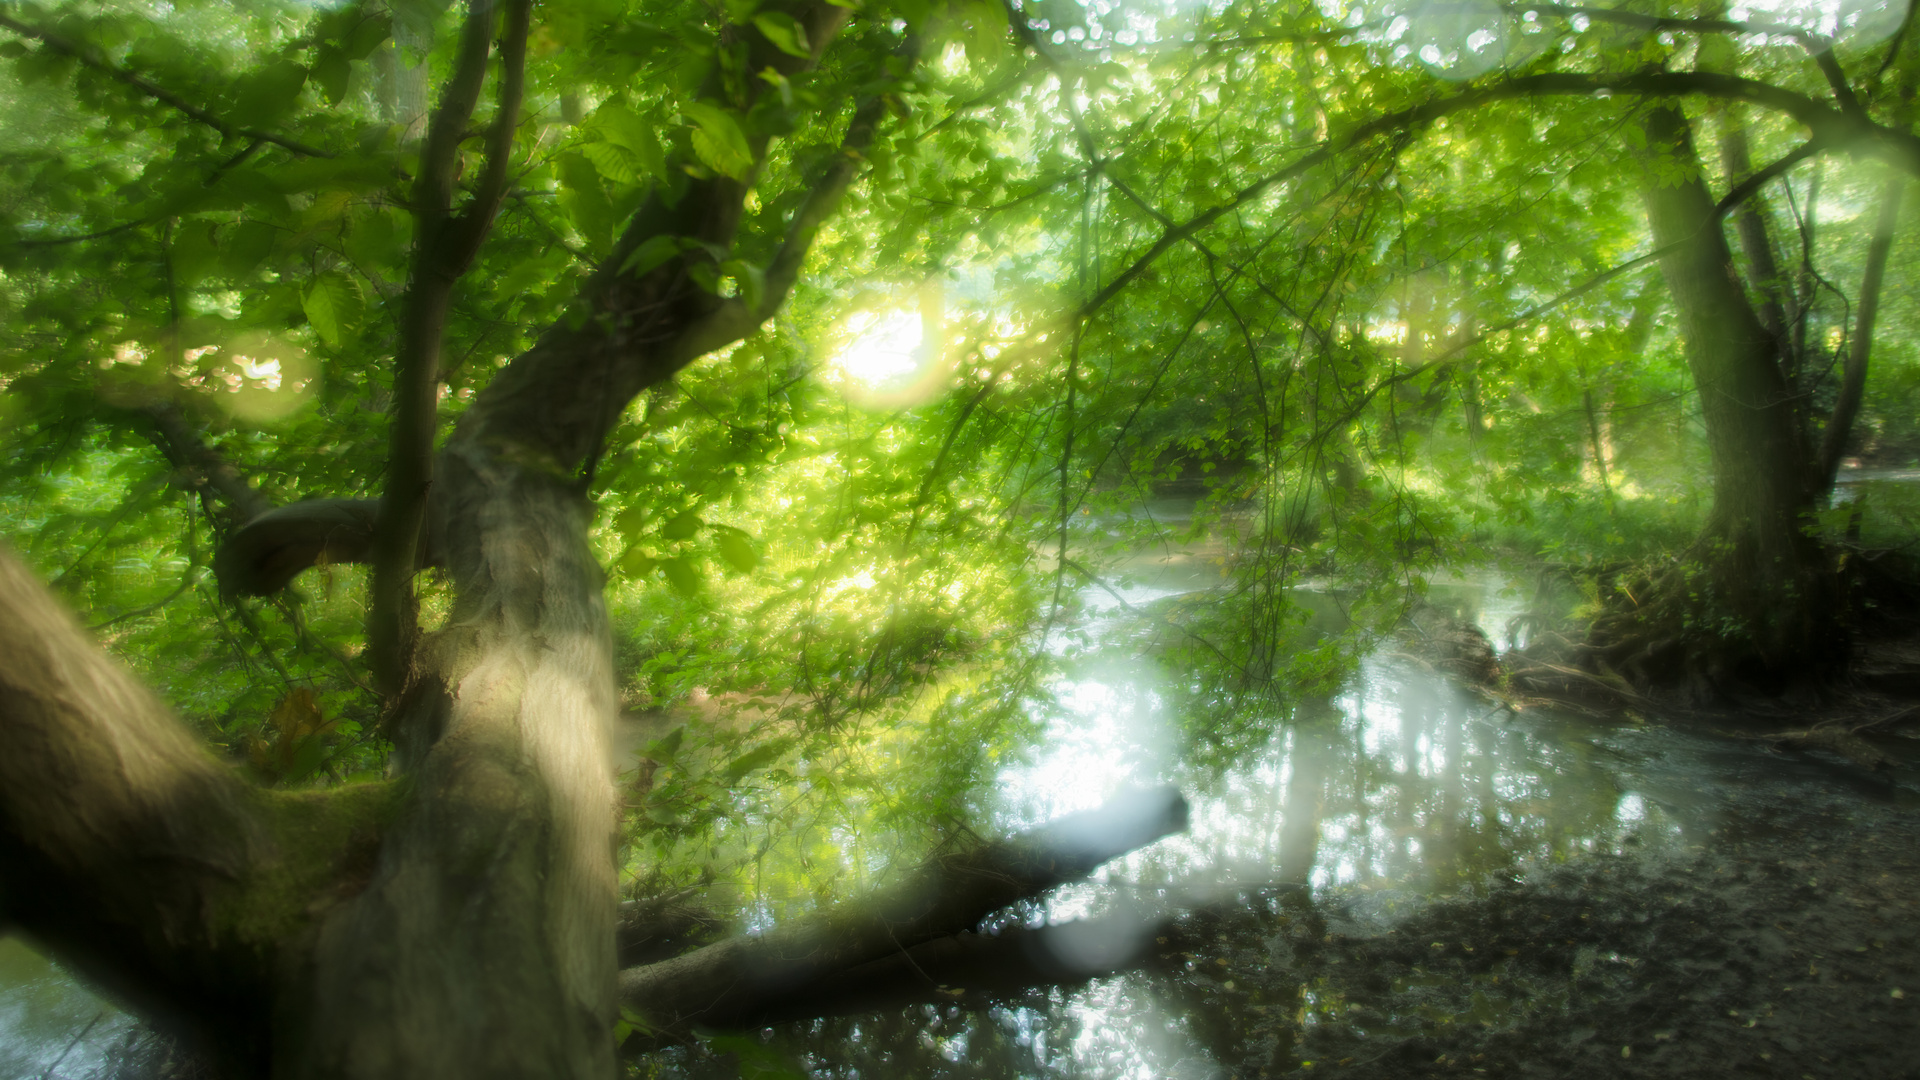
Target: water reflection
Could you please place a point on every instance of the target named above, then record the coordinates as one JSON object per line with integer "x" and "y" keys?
{"x": 49, "y": 1025}
{"x": 1359, "y": 811}
{"x": 1400, "y": 789}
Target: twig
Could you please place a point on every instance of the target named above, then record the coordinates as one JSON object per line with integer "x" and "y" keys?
{"x": 97, "y": 1017}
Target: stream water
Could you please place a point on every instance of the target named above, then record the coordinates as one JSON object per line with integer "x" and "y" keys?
{"x": 1405, "y": 808}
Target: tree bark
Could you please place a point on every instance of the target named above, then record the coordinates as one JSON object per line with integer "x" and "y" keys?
{"x": 485, "y": 944}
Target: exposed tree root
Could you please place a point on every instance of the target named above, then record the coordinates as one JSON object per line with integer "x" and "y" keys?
{"x": 1647, "y": 653}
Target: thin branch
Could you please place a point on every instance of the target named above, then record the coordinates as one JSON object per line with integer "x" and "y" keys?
{"x": 1747, "y": 188}
{"x": 187, "y": 580}
{"x": 57, "y": 241}
{"x": 442, "y": 252}
{"x": 75, "y": 1041}
{"x": 1829, "y": 125}
{"x": 1545, "y": 306}
{"x": 164, "y": 96}
{"x": 1853, "y": 379}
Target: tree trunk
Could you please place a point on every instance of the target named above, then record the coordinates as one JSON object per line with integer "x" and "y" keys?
{"x": 1761, "y": 602}
{"x": 1853, "y": 378}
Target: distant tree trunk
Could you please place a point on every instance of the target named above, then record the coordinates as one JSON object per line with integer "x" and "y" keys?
{"x": 1853, "y": 378}
{"x": 1761, "y": 599}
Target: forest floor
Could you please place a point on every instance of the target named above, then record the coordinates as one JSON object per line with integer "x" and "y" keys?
{"x": 1783, "y": 942}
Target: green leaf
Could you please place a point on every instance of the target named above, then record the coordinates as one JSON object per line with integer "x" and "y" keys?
{"x": 751, "y": 279}
{"x": 367, "y": 35}
{"x": 683, "y": 575}
{"x": 756, "y": 758}
{"x": 632, "y": 521}
{"x": 682, "y": 526}
{"x": 334, "y": 304}
{"x": 666, "y": 746}
{"x": 785, "y": 32}
{"x": 626, "y": 129}
{"x": 758, "y": 1061}
{"x": 736, "y": 548}
{"x": 718, "y": 140}
{"x": 331, "y": 70}
{"x": 613, "y": 162}
{"x": 585, "y": 200}
{"x": 651, "y": 253}
{"x": 264, "y": 96}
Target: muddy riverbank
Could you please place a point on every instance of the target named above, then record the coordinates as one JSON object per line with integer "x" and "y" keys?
{"x": 1784, "y": 942}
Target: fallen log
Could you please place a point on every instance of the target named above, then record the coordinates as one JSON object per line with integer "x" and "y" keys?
{"x": 733, "y": 983}
{"x": 969, "y": 966}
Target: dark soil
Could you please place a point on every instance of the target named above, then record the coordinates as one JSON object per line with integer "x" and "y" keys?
{"x": 1786, "y": 944}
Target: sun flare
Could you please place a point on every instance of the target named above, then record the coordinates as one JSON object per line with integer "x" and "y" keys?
{"x": 885, "y": 352}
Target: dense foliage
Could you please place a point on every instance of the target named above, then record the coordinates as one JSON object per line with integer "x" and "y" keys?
{"x": 1116, "y": 278}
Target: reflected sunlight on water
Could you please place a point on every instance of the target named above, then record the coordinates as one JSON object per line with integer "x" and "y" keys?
{"x": 1401, "y": 788}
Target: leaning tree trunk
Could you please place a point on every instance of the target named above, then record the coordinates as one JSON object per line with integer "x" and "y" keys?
{"x": 1757, "y": 599}
{"x": 484, "y": 944}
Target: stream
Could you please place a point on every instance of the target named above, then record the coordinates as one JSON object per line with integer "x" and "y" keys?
{"x": 1407, "y": 880}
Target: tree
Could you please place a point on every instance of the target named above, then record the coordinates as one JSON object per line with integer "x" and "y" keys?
{"x": 1763, "y": 603}
{"x": 600, "y": 196}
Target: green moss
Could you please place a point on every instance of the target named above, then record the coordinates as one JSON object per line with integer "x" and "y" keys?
{"x": 323, "y": 846}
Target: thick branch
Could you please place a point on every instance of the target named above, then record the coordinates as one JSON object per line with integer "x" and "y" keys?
{"x": 205, "y": 468}
{"x": 132, "y": 854}
{"x": 1634, "y": 19}
{"x": 969, "y": 966}
{"x": 264, "y": 546}
{"x": 158, "y": 93}
{"x": 727, "y": 983}
{"x": 260, "y": 557}
{"x": 733, "y": 319}
{"x": 661, "y": 927}
{"x": 476, "y": 218}
{"x": 556, "y": 402}
{"x": 1755, "y": 238}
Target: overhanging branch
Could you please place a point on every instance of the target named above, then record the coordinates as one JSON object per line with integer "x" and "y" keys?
{"x": 966, "y": 967}
{"x": 161, "y": 94}
{"x": 1832, "y": 128}
{"x": 224, "y": 493}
